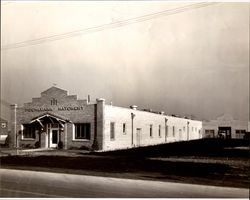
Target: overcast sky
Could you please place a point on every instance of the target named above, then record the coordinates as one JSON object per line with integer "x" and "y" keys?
{"x": 194, "y": 62}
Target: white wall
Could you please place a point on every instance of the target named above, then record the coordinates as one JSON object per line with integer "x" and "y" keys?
{"x": 143, "y": 120}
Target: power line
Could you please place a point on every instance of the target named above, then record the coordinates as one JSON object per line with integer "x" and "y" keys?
{"x": 106, "y": 26}
{"x": 103, "y": 27}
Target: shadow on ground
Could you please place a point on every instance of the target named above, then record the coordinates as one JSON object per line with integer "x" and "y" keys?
{"x": 216, "y": 165}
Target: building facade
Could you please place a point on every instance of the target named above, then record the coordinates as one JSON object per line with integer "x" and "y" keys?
{"x": 225, "y": 127}
{"x": 4, "y": 131}
{"x": 4, "y": 127}
{"x": 58, "y": 119}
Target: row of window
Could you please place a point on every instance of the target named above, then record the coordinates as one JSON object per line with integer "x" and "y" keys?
{"x": 239, "y": 133}
{"x": 212, "y": 131}
{"x": 81, "y": 130}
{"x": 112, "y": 130}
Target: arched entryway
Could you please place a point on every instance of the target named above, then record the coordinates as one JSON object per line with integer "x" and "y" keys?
{"x": 51, "y": 129}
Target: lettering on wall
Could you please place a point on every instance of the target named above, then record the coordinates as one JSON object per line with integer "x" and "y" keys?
{"x": 62, "y": 108}
{"x": 53, "y": 102}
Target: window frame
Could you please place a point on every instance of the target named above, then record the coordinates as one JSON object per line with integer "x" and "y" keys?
{"x": 23, "y": 132}
{"x": 173, "y": 131}
{"x": 240, "y": 133}
{"x": 159, "y": 131}
{"x": 151, "y": 130}
{"x": 75, "y": 138}
{"x": 124, "y": 128}
{"x": 112, "y": 128}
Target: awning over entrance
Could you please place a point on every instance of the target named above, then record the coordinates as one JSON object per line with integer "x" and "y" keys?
{"x": 51, "y": 118}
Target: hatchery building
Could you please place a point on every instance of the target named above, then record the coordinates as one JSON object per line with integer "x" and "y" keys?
{"x": 57, "y": 119}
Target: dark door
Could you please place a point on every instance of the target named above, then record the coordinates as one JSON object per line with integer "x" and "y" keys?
{"x": 224, "y": 132}
{"x": 54, "y": 136}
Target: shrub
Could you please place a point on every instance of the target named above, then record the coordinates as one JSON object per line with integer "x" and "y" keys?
{"x": 28, "y": 146}
{"x": 85, "y": 148}
{"x": 37, "y": 145}
{"x": 73, "y": 148}
{"x": 7, "y": 141}
{"x": 60, "y": 145}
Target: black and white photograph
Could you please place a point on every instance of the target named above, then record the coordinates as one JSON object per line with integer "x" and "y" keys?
{"x": 125, "y": 99}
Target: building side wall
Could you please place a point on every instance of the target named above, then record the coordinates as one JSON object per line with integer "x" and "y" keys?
{"x": 143, "y": 120}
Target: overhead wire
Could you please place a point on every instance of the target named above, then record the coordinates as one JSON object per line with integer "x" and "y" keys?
{"x": 107, "y": 26}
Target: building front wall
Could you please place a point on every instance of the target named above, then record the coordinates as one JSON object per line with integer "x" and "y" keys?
{"x": 171, "y": 128}
{"x": 55, "y": 102}
{"x": 224, "y": 121}
{"x": 4, "y": 127}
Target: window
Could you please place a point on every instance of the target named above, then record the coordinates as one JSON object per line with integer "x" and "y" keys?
{"x": 240, "y": 134}
{"x": 195, "y": 129}
{"x": 209, "y": 133}
{"x": 29, "y": 131}
{"x": 82, "y": 131}
{"x": 151, "y": 130}
{"x": 124, "y": 128}
{"x": 159, "y": 130}
{"x": 166, "y": 131}
{"x": 3, "y": 125}
{"x": 112, "y": 130}
{"x": 184, "y": 128}
{"x": 192, "y": 128}
{"x": 173, "y": 131}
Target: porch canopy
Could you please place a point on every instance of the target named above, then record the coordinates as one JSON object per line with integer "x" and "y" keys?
{"x": 49, "y": 118}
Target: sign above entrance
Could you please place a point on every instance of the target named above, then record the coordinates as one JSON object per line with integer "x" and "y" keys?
{"x": 62, "y": 108}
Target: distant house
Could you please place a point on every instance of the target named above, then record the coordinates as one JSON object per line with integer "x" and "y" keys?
{"x": 225, "y": 126}
{"x": 57, "y": 117}
{"x": 4, "y": 130}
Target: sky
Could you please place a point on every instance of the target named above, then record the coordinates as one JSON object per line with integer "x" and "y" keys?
{"x": 194, "y": 62}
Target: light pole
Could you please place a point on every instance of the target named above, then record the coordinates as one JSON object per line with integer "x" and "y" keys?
{"x": 132, "y": 118}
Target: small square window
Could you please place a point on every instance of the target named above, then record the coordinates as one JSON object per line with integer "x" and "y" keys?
{"x": 3, "y": 125}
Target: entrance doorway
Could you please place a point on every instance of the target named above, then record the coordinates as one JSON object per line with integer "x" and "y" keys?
{"x": 224, "y": 132}
{"x": 54, "y": 138}
{"x": 138, "y": 137}
{"x": 53, "y": 130}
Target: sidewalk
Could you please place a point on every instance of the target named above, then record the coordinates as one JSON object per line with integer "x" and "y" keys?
{"x": 41, "y": 151}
